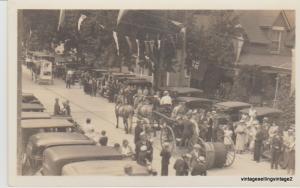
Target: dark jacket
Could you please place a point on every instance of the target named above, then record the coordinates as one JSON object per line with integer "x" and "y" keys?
{"x": 103, "y": 140}
{"x": 165, "y": 157}
{"x": 187, "y": 128}
{"x": 137, "y": 132}
{"x": 181, "y": 167}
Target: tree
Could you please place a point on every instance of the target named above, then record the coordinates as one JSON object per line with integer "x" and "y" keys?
{"x": 211, "y": 43}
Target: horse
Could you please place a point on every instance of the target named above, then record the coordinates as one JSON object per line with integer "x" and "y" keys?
{"x": 125, "y": 111}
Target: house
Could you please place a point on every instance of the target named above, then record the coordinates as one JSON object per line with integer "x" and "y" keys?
{"x": 268, "y": 41}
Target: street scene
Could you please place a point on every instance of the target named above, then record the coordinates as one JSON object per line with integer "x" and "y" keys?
{"x": 156, "y": 92}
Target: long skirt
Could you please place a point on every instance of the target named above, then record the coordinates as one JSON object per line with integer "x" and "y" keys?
{"x": 257, "y": 151}
{"x": 240, "y": 142}
{"x": 291, "y": 160}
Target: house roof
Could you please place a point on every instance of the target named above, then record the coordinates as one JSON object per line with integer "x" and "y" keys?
{"x": 254, "y": 20}
{"x": 290, "y": 15}
{"x": 275, "y": 61}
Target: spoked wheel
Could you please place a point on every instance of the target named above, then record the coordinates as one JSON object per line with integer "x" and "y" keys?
{"x": 230, "y": 154}
{"x": 167, "y": 136}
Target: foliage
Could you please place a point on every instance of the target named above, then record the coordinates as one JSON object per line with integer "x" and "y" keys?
{"x": 211, "y": 42}
{"x": 286, "y": 101}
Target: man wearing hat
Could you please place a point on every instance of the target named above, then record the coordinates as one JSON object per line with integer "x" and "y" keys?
{"x": 165, "y": 159}
{"x": 138, "y": 130}
{"x": 188, "y": 129}
{"x": 166, "y": 99}
{"x": 259, "y": 138}
{"x": 199, "y": 168}
{"x": 140, "y": 143}
{"x": 166, "y": 102}
{"x": 182, "y": 165}
{"x": 178, "y": 110}
{"x": 276, "y": 147}
{"x": 68, "y": 108}
{"x": 56, "y": 107}
{"x": 142, "y": 156}
{"x": 195, "y": 154}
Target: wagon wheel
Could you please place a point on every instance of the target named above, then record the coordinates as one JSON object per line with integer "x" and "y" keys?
{"x": 167, "y": 136}
{"x": 230, "y": 154}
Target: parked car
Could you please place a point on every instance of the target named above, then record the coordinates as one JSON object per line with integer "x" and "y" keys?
{"x": 183, "y": 91}
{"x": 106, "y": 168}
{"x": 32, "y": 107}
{"x": 230, "y": 109}
{"x": 55, "y": 158}
{"x": 35, "y": 115}
{"x": 262, "y": 112}
{"x": 139, "y": 82}
{"x": 37, "y": 143}
{"x": 195, "y": 102}
{"x": 33, "y": 126}
{"x": 30, "y": 98}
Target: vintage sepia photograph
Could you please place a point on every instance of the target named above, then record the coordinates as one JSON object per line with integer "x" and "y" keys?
{"x": 104, "y": 92}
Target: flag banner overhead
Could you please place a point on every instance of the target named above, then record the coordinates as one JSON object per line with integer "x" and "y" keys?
{"x": 116, "y": 41}
{"x": 81, "y": 19}
{"x": 61, "y": 19}
{"x": 120, "y": 15}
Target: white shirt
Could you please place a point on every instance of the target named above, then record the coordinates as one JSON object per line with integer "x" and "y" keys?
{"x": 166, "y": 100}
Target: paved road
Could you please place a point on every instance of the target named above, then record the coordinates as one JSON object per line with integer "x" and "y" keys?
{"x": 102, "y": 114}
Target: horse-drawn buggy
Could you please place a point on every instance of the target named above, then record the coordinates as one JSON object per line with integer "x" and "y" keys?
{"x": 179, "y": 132}
{"x": 184, "y": 131}
{"x": 42, "y": 68}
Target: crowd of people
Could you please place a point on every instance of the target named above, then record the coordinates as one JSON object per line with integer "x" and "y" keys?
{"x": 247, "y": 135}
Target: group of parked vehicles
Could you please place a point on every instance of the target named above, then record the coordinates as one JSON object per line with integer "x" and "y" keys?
{"x": 55, "y": 145}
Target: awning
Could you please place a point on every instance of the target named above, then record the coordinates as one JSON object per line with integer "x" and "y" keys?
{"x": 272, "y": 61}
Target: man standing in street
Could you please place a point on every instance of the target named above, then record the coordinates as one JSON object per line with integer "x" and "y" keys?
{"x": 188, "y": 130}
{"x": 68, "y": 108}
{"x": 276, "y": 146}
{"x": 165, "y": 159}
{"x": 182, "y": 165}
{"x": 259, "y": 137}
{"x": 56, "y": 107}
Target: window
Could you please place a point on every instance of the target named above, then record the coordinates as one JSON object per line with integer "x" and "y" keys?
{"x": 276, "y": 39}
{"x": 187, "y": 73}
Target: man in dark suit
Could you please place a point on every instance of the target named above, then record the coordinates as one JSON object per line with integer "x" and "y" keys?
{"x": 188, "y": 130}
{"x": 165, "y": 159}
{"x": 259, "y": 137}
{"x": 181, "y": 166}
{"x": 103, "y": 139}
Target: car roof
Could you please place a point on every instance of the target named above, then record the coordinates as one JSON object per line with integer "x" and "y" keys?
{"x": 58, "y": 138}
{"x": 45, "y": 123}
{"x": 263, "y": 111}
{"x": 232, "y": 104}
{"x": 104, "y": 168}
{"x": 137, "y": 81}
{"x": 32, "y": 106}
{"x": 99, "y": 70}
{"x": 182, "y": 90}
{"x": 35, "y": 115}
{"x": 86, "y": 152}
{"x": 192, "y": 99}
{"x": 28, "y": 95}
